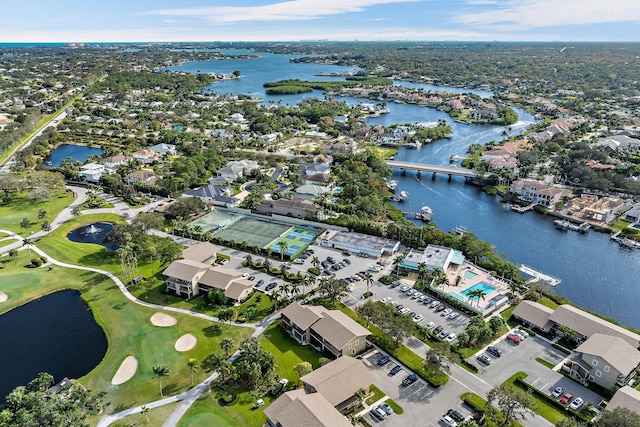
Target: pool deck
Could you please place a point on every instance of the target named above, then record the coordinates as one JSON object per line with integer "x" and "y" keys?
{"x": 482, "y": 276}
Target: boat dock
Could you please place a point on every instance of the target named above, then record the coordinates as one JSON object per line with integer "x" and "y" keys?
{"x": 538, "y": 276}
{"x": 563, "y": 224}
{"x": 522, "y": 209}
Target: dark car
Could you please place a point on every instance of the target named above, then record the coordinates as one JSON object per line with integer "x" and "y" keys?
{"x": 395, "y": 370}
{"x": 259, "y": 283}
{"x": 437, "y": 330}
{"x": 494, "y": 351}
{"x": 346, "y": 261}
{"x": 457, "y": 416}
{"x": 384, "y": 360}
{"x": 346, "y": 253}
{"x": 410, "y": 380}
{"x": 271, "y": 286}
{"x": 483, "y": 358}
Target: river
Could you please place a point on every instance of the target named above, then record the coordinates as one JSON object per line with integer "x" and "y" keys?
{"x": 596, "y": 273}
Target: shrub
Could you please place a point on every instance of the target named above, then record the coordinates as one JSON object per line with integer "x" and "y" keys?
{"x": 36, "y": 262}
{"x": 314, "y": 271}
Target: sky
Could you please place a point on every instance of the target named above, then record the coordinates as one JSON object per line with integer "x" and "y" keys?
{"x": 335, "y": 20}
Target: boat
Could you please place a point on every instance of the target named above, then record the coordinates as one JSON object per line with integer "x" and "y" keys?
{"x": 425, "y": 214}
{"x": 448, "y": 135}
{"x": 401, "y": 197}
{"x": 49, "y": 163}
{"x": 454, "y": 158}
{"x": 628, "y": 243}
{"x": 414, "y": 145}
{"x": 561, "y": 224}
{"x": 392, "y": 185}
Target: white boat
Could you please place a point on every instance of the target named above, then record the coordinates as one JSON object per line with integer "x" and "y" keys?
{"x": 401, "y": 197}
{"x": 454, "y": 158}
{"x": 414, "y": 145}
{"x": 392, "y": 185}
{"x": 425, "y": 214}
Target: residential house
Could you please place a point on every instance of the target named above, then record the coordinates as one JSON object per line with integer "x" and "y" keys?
{"x": 607, "y": 361}
{"x": 187, "y": 278}
{"x": 618, "y": 142}
{"x": 164, "y": 149}
{"x": 218, "y": 196}
{"x": 203, "y": 252}
{"x": 91, "y": 172}
{"x": 237, "y": 169}
{"x": 310, "y": 192}
{"x": 317, "y": 179}
{"x": 633, "y": 214}
{"x": 358, "y": 243}
{"x": 297, "y": 208}
{"x": 537, "y": 192}
{"x": 594, "y": 208}
{"x": 625, "y": 397}
{"x": 220, "y": 181}
{"x": 146, "y": 156}
{"x": 534, "y": 314}
{"x": 114, "y": 161}
{"x": 145, "y": 176}
{"x": 238, "y": 118}
{"x": 297, "y": 408}
{"x": 310, "y": 169}
{"x": 326, "y": 330}
{"x": 339, "y": 381}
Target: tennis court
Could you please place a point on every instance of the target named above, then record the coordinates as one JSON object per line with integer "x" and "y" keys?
{"x": 297, "y": 238}
{"x": 253, "y": 231}
{"x": 216, "y": 220}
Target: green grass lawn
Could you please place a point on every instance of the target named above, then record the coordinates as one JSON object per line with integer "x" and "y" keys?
{"x": 540, "y": 406}
{"x": 128, "y": 330}
{"x": 155, "y": 417}
{"x": 20, "y": 206}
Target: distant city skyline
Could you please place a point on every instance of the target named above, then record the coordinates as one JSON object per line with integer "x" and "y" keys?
{"x": 334, "y": 20}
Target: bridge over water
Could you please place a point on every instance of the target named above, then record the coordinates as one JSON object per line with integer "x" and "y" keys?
{"x": 434, "y": 169}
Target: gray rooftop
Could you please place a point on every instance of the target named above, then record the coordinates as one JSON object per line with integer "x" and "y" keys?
{"x": 616, "y": 351}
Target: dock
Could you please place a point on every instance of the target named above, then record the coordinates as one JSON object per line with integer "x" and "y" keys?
{"x": 522, "y": 209}
{"x": 538, "y": 276}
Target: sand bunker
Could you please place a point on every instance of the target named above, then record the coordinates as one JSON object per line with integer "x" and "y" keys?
{"x": 3, "y": 297}
{"x": 126, "y": 370}
{"x": 186, "y": 342}
{"x": 161, "y": 319}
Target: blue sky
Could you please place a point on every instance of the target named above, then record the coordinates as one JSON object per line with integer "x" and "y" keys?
{"x": 258, "y": 20}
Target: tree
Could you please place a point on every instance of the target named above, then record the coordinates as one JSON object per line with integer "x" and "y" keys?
{"x": 146, "y": 221}
{"x": 468, "y": 423}
{"x": 160, "y": 371}
{"x": 369, "y": 310}
{"x": 13, "y": 253}
{"x": 193, "y": 367}
{"x": 226, "y": 344}
{"x": 226, "y": 314}
{"x": 46, "y": 227}
{"x": 144, "y": 410}
{"x": 76, "y": 211}
{"x": 368, "y": 278}
{"x": 619, "y": 417}
{"x": 302, "y": 369}
{"x": 571, "y": 422}
{"x": 128, "y": 261}
{"x": 334, "y": 289}
{"x": 512, "y": 402}
{"x": 495, "y": 323}
{"x": 25, "y": 223}
{"x": 42, "y": 213}
{"x": 315, "y": 261}
{"x": 438, "y": 358}
{"x": 284, "y": 247}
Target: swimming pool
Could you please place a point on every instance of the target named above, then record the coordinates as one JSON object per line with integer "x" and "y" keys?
{"x": 469, "y": 274}
{"x": 487, "y": 288}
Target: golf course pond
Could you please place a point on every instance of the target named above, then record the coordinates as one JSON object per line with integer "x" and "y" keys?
{"x": 93, "y": 233}
{"x": 56, "y": 333}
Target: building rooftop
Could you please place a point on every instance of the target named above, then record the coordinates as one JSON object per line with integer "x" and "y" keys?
{"x": 340, "y": 379}
{"x": 616, "y": 351}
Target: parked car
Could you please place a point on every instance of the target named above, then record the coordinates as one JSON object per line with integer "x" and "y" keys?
{"x": 450, "y": 338}
{"x": 484, "y": 359}
{"x": 455, "y": 415}
{"x": 298, "y": 261}
{"x": 259, "y": 283}
{"x": 557, "y": 392}
{"x": 346, "y": 261}
{"x": 386, "y": 408}
{"x": 409, "y": 292}
{"x": 496, "y": 352}
{"x": 453, "y": 315}
{"x": 346, "y": 253}
{"x": 384, "y": 360}
{"x": 395, "y": 370}
{"x": 427, "y": 300}
{"x": 443, "y": 334}
{"x": 431, "y": 325}
{"x": 399, "y": 307}
{"x": 437, "y": 330}
{"x": 577, "y": 403}
{"x": 514, "y": 339}
{"x": 566, "y": 398}
{"x": 245, "y": 275}
{"x": 440, "y": 308}
{"x": 448, "y": 421}
{"x": 404, "y": 288}
{"x": 410, "y": 380}
{"x": 378, "y": 413}
{"x": 405, "y": 310}
{"x": 446, "y": 312}
{"x": 271, "y": 286}
{"x": 418, "y": 318}
{"x": 434, "y": 303}
{"x": 251, "y": 278}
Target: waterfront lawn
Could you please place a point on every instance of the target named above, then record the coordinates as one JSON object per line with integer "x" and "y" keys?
{"x": 20, "y": 206}
{"x": 128, "y": 331}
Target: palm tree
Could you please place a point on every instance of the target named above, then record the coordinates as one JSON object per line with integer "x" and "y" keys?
{"x": 315, "y": 261}
{"x": 226, "y": 344}
{"x": 160, "y": 371}
{"x": 193, "y": 367}
{"x": 13, "y": 253}
{"x": 368, "y": 278}
{"x": 284, "y": 247}
{"x": 144, "y": 410}
{"x": 423, "y": 270}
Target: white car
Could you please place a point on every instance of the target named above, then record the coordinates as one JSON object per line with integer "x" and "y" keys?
{"x": 405, "y": 310}
{"x": 577, "y": 402}
{"x": 393, "y": 303}
{"x": 450, "y": 338}
{"x": 404, "y": 288}
{"x": 448, "y": 421}
{"x": 385, "y": 299}
{"x": 418, "y": 318}
{"x": 431, "y": 325}
{"x": 434, "y": 303}
{"x": 446, "y": 312}
{"x": 415, "y": 295}
{"x": 410, "y": 292}
{"x": 453, "y": 315}
{"x": 245, "y": 275}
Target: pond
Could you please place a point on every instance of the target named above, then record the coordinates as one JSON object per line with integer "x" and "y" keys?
{"x": 56, "y": 334}
{"x": 93, "y": 233}
{"x": 78, "y": 153}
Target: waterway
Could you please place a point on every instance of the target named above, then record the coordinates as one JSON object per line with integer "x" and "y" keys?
{"x": 78, "y": 153}
{"x": 596, "y": 273}
{"x": 56, "y": 334}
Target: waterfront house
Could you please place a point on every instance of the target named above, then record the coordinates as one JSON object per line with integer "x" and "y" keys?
{"x": 358, "y": 243}
{"x": 434, "y": 257}
{"x": 91, "y": 172}
{"x": 605, "y": 360}
{"x": 146, "y": 156}
{"x": 164, "y": 149}
{"x": 633, "y": 214}
{"x": 310, "y": 192}
{"x": 537, "y": 192}
{"x": 187, "y": 278}
{"x": 625, "y": 397}
{"x": 534, "y": 315}
{"x": 114, "y": 161}
{"x": 330, "y": 331}
{"x": 143, "y": 176}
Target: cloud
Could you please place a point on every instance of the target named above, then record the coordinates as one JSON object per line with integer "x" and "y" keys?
{"x": 551, "y": 13}
{"x": 294, "y": 10}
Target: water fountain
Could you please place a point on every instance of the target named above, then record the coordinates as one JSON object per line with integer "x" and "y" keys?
{"x": 93, "y": 233}
{"x": 92, "y": 229}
